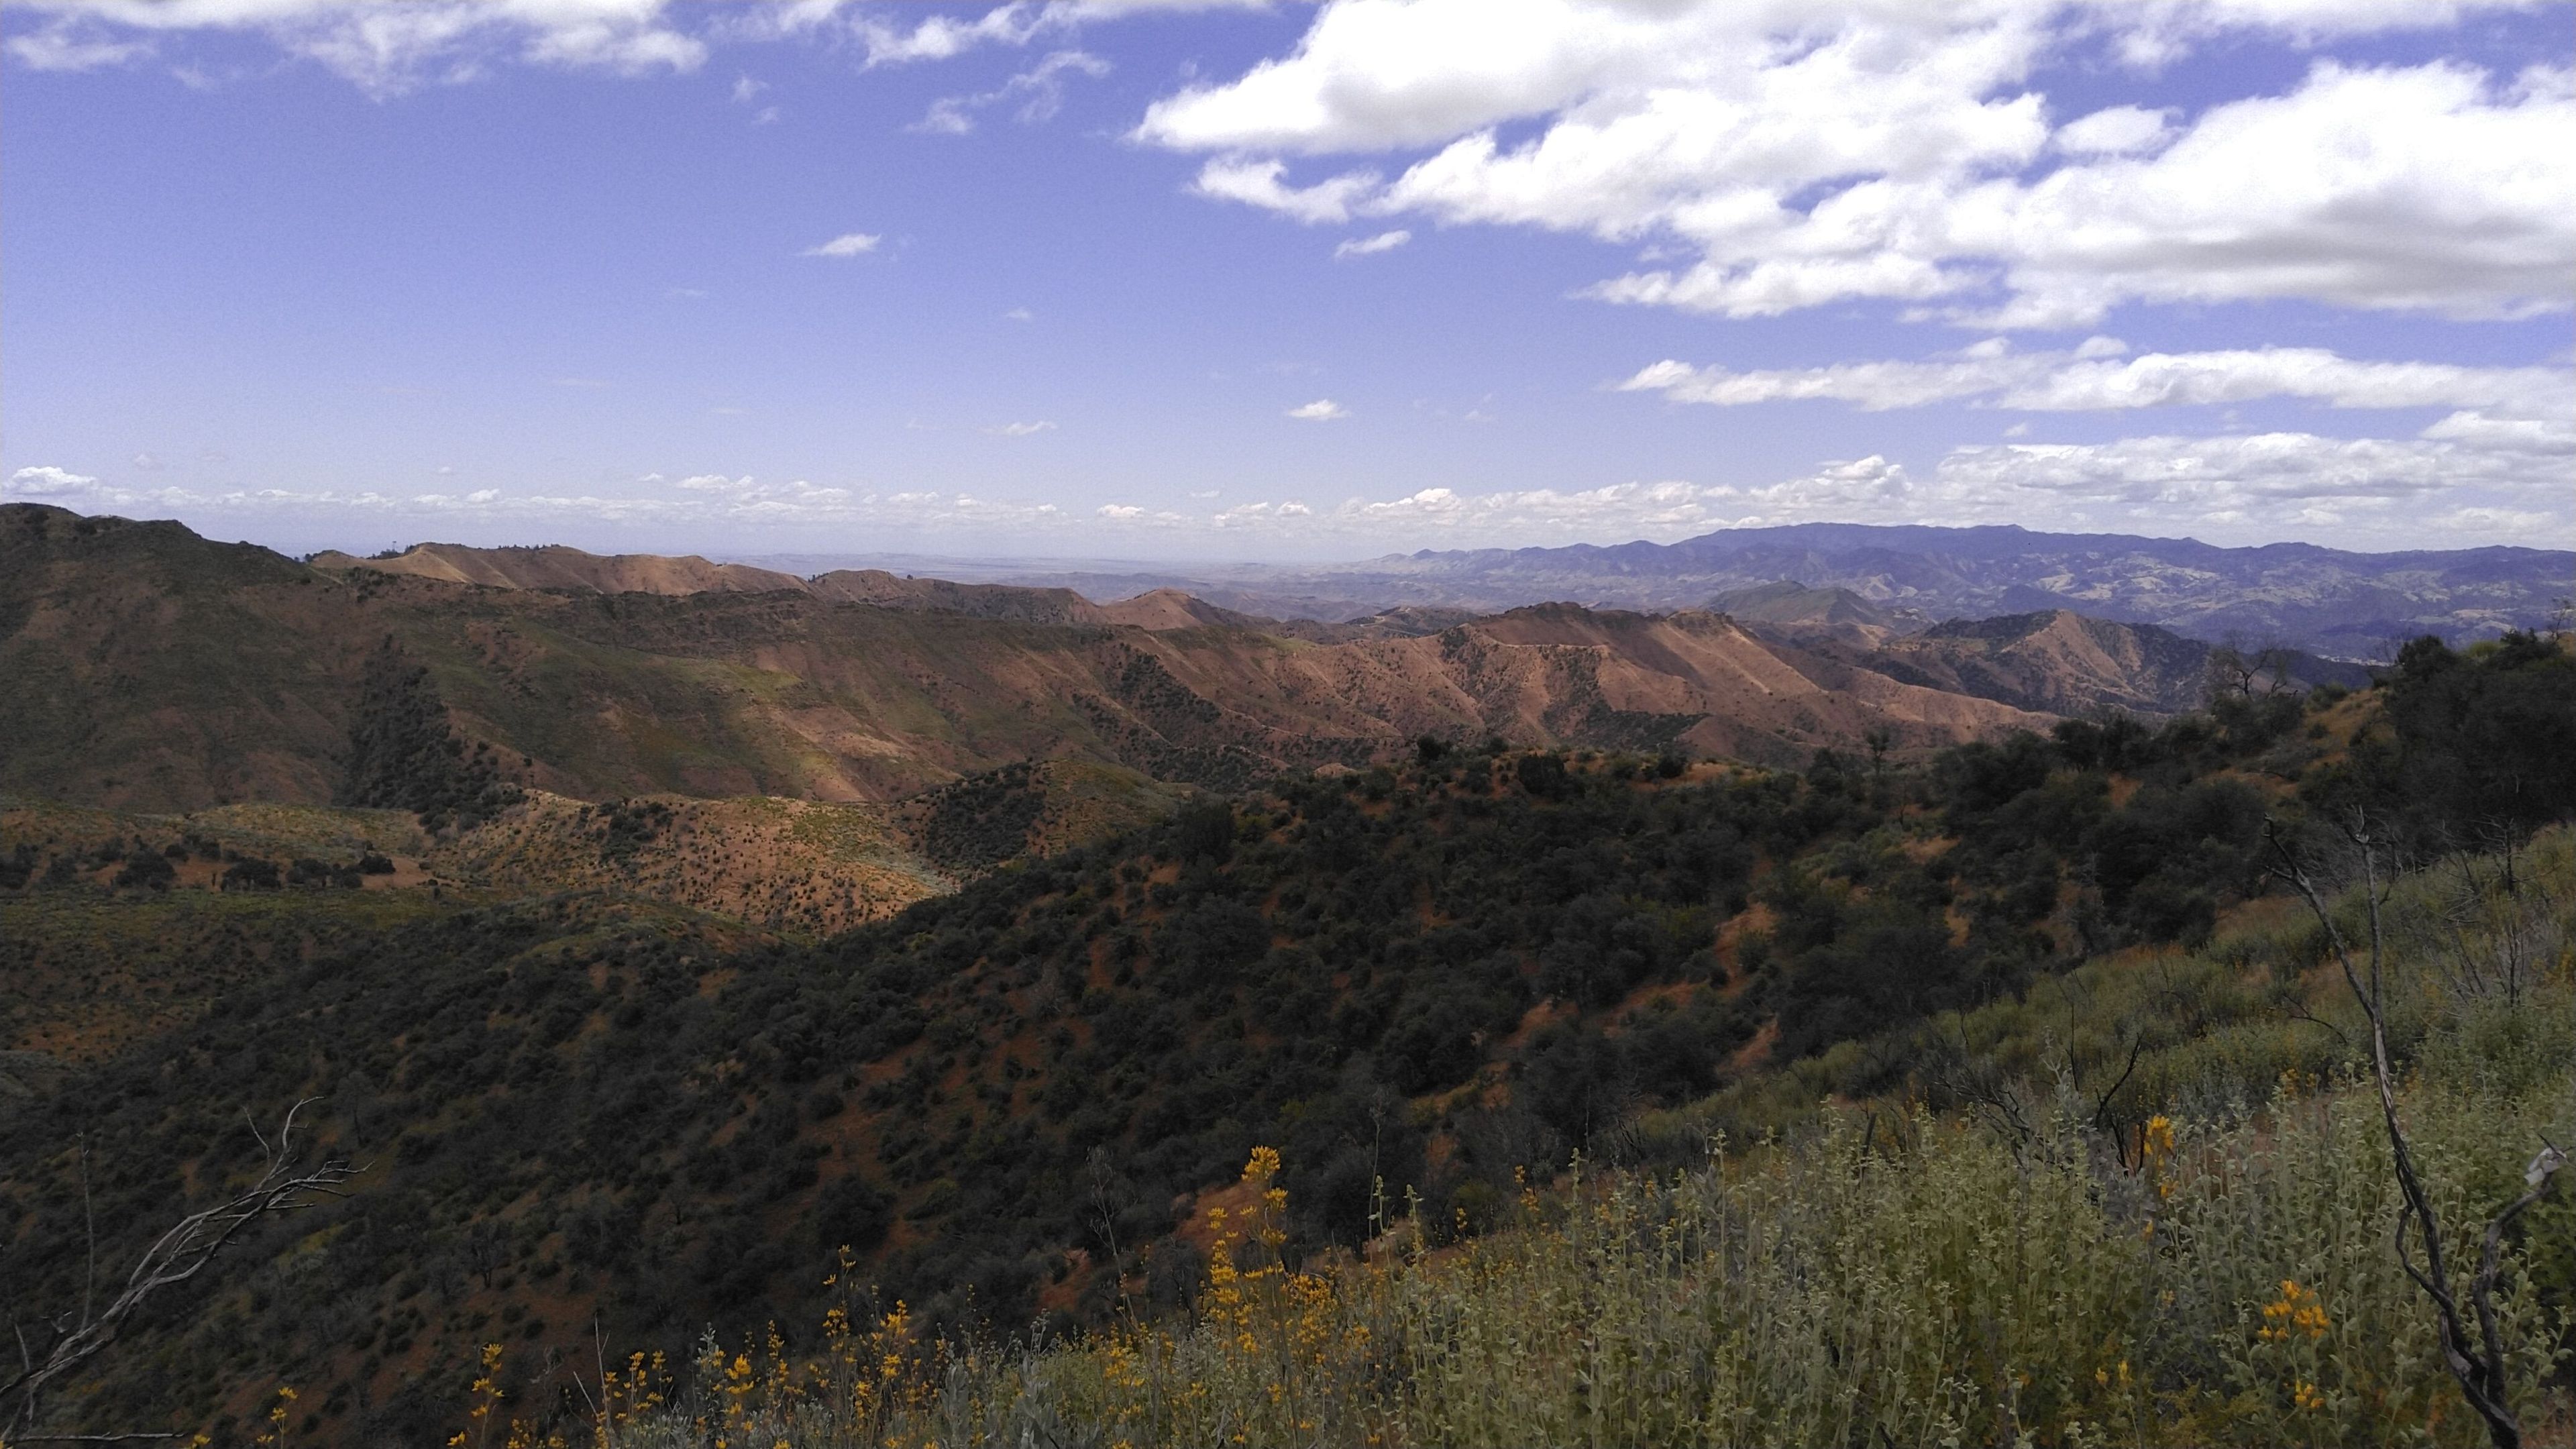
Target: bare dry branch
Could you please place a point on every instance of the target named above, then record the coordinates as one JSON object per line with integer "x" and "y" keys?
{"x": 180, "y": 1254}
{"x": 2478, "y": 1366}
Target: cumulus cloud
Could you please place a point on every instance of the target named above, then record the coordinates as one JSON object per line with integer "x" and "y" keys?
{"x": 47, "y": 481}
{"x": 2095, "y": 377}
{"x": 1321, "y": 410}
{"x": 1385, "y": 241}
{"x": 847, "y": 244}
{"x": 1819, "y": 153}
{"x": 2286, "y": 481}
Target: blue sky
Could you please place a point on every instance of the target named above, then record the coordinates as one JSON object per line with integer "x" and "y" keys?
{"x": 1120, "y": 279}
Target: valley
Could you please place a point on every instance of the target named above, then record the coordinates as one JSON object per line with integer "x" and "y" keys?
{"x": 656, "y": 953}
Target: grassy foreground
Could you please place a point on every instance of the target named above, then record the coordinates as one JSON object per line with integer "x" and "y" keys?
{"x": 2011, "y": 1261}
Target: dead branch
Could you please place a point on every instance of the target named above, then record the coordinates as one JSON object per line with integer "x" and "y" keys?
{"x": 1978, "y": 1085}
{"x": 2102, "y": 1104}
{"x": 2478, "y": 1366}
{"x": 180, "y": 1254}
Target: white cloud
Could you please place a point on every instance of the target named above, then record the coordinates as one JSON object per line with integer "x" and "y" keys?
{"x": 942, "y": 36}
{"x": 63, "y": 48}
{"x": 2285, "y": 481}
{"x": 388, "y": 48}
{"x": 148, "y": 462}
{"x": 2430, "y": 188}
{"x": 847, "y": 244}
{"x": 2118, "y": 131}
{"x": 1258, "y": 183}
{"x": 47, "y": 481}
{"x": 1019, "y": 314}
{"x": 1808, "y": 154}
{"x": 1019, "y": 430}
{"x": 1385, "y": 241}
{"x": 1321, "y": 410}
{"x": 745, "y": 89}
{"x": 1039, "y": 92}
{"x": 2094, "y": 377}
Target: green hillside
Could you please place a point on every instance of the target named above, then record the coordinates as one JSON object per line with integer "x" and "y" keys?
{"x": 585, "y": 1114}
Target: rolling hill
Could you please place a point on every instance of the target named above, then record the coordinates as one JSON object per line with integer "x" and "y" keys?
{"x": 169, "y": 672}
{"x": 2054, "y": 661}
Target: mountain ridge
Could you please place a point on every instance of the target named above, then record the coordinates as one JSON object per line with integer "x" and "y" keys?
{"x": 176, "y": 673}
{"x": 2337, "y": 603}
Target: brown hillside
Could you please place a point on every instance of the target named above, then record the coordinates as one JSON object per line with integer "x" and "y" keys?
{"x": 177, "y": 673}
{"x": 1800, "y": 612}
{"x": 554, "y": 566}
{"x": 146, "y": 666}
{"x": 2063, "y": 661}
{"x": 1172, "y": 609}
{"x": 983, "y": 601}
{"x": 2055, "y": 661}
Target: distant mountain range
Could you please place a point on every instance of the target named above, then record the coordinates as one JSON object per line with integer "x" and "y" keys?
{"x": 2330, "y": 602}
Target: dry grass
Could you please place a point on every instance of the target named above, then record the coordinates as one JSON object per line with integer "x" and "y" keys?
{"x": 1874, "y": 1273}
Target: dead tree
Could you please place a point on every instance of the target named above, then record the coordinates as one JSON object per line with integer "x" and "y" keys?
{"x": 2477, "y": 1363}
{"x": 178, "y": 1255}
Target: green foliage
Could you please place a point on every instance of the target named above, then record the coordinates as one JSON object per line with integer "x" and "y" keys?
{"x": 1445, "y": 977}
{"x": 2478, "y": 748}
{"x": 404, "y": 756}
{"x": 972, "y": 825}
{"x": 1877, "y": 1273}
